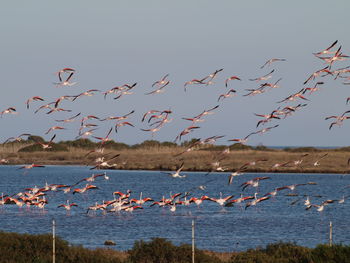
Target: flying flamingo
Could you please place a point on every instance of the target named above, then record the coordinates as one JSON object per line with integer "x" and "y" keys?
{"x": 35, "y": 98}
{"x": 270, "y": 61}
{"x": 10, "y": 110}
{"x": 231, "y": 78}
{"x": 265, "y": 77}
{"x": 177, "y": 173}
{"x": 67, "y": 206}
{"x": 327, "y": 50}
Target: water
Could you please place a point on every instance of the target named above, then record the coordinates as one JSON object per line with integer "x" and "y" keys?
{"x": 216, "y": 228}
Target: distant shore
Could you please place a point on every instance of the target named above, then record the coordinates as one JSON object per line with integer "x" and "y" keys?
{"x": 298, "y": 160}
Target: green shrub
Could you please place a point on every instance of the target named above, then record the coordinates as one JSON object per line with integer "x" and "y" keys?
{"x": 159, "y": 250}
{"x": 302, "y": 149}
{"x": 147, "y": 144}
{"x": 334, "y": 254}
{"x": 240, "y": 146}
{"x": 80, "y": 143}
{"x": 275, "y": 253}
{"x": 26, "y": 248}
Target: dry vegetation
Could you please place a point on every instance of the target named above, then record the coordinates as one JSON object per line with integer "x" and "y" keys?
{"x": 163, "y": 158}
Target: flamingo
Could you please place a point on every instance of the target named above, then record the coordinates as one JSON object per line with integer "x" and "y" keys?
{"x": 30, "y": 166}
{"x": 231, "y": 78}
{"x": 327, "y": 50}
{"x": 221, "y": 200}
{"x": 186, "y": 131}
{"x": 256, "y": 200}
{"x": 141, "y": 200}
{"x": 131, "y": 208}
{"x": 48, "y": 145}
{"x": 102, "y": 163}
{"x": 84, "y": 189}
{"x": 122, "y": 124}
{"x": 177, "y": 173}
{"x": 10, "y": 110}
{"x": 254, "y": 182}
{"x": 195, "y": 81}
{"x": 315, "y": 88}
{"x": 57, "y": 110}
{"x": 238, "y": 200}
{"x": 338, "y": 119}
{"x": 86, "y": 93}
{"x": 270, "y": 61}
{"x": 317, "y": 73}
{"x": 17, "y": 139}
{"x": 265, "y": 77}
{"x": 104, "y": 139}
{"x": 317, "y": 162}
{"x": 35, "y": 98}
{"x": 199, "y": 201}
{"x": 67, "y": 206}
{"x": 65, "y": 82}
{"x": 54, "y": 128}
{"x": 159, "y": 90}
{"x": 228, "y": 94}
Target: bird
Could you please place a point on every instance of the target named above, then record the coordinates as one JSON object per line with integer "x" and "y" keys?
{"x": 256, "y": 200}
{"x": 317, "y": 162}
{"x": 10, "y": 110}
{"x": 30, "y": 166}
{"x": 195, "y": 81}
{"x": 44, "y": 145}
{"x": 65, "y": 82}
{"x": 231, "y": 78}
{"x": 265, "y": 77}
{"x": 161, "y": 82}
{"x": 84, "y": 189}
{"x": 221, "y": 200}
{"x": 236, "y": 173}
{"x": 35, "y": 98}
{"x": 67, "y": 205}
{"x": 270, "y": 61}
{"x": 185, "y": 131}
{"x": 327, "y": 50}
{"x": 17, "y": 139}
{"x": 254, "y": 182}
{"x": 228, "y": 94}
{"x": 54, "y": 128}
{"x": 71, "y": 119}
{"x": 177, "y": 172}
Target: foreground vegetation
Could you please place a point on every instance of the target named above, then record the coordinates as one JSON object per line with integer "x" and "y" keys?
{"x": 154, "y": 155}
{"x": 38, "y": 248}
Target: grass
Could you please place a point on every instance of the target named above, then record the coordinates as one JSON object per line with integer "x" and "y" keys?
{"x": 164, "y": 158}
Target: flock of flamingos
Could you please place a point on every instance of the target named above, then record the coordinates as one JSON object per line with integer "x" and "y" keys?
{"x": 156, "y": 120}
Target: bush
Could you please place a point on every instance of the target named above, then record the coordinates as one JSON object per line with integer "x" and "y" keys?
{"x": 80, "y": 143}
{"x": 333, "y": 254}
{"x": 275, "y": 253}
{"x": 38, "y": 248}
{"x": 302, "y": 149}
{"x": 168, "y": 144}
{"x": 240, "y": 146}
{"x": 147, "y": 144}
{"x": 116, "y": 145}
{"x": 159, "y": 250}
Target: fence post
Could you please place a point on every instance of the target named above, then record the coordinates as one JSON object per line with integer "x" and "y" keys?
{"x": 330, "y": 233}
{"x": 53, "y": 242}
{"x": 192, "y": 241}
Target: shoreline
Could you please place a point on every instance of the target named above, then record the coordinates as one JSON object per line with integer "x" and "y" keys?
{"x": 253, "y": 171}
{"x": 202, "y": 160}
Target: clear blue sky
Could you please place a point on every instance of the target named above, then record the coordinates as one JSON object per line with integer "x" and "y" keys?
{"x": 110, "y": 43}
